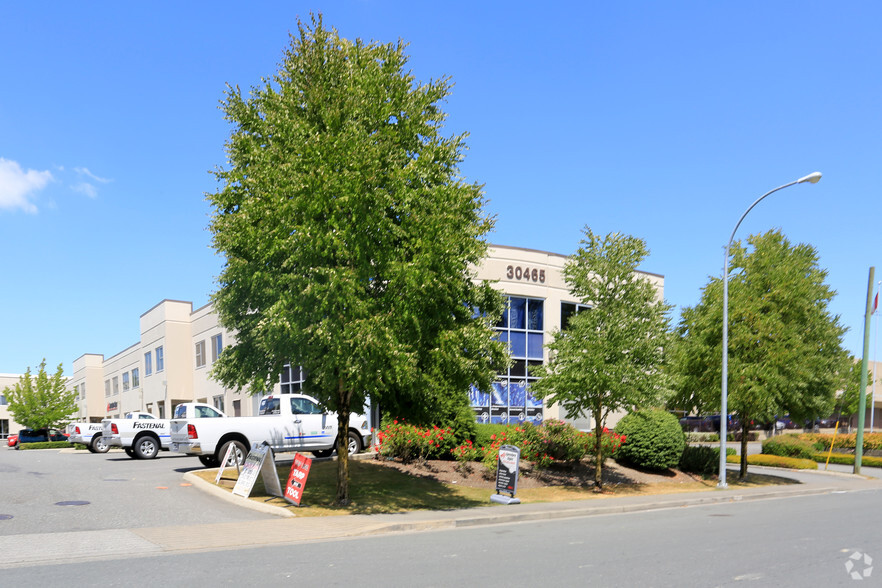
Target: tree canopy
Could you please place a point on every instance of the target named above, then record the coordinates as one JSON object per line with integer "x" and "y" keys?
{"x": 785, "y": 352}
{"x": 610, "y": 357}
{"x": 41, "y": 401}
{"x": 350, "y": 238}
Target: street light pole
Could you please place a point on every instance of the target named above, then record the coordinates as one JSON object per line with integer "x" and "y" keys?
{"x": 724, "y": 410}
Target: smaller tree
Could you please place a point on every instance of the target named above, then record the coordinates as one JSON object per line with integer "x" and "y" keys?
{"x": 610, "y": 357}
{"x": 41, "y": 401}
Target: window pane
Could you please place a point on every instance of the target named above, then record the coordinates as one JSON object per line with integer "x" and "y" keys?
{"x": 518, "y": 313}
{"x": 532, "y": 400}
{"x": 519, "y": 368}
{"x": 517, "y": 393}
{"x": 534, "y": 345}
{"x": 518, "y": 344}
{"x": 536, "y": 318}
{"x": 567, "y": 309}
{"x": 478, "y": 398}
{"x": 500, "y": 394}
{"x": 502, "y": 323}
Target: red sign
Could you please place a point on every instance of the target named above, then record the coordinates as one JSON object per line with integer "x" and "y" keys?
{"x": 297, "y": 478}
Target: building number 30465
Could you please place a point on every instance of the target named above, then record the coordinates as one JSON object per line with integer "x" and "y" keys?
{"x": 525, "y": 273}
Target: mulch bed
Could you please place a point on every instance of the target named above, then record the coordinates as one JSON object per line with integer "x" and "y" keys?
{"x": 582, "y": 474}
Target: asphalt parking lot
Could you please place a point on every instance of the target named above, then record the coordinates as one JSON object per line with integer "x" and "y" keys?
{"x": 48, "y": 491}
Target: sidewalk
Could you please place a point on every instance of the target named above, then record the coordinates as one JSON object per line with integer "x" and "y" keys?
{"x": 288, "y": 529}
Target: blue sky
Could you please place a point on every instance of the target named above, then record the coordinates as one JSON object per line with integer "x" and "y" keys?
{"x": 660, "y": 120}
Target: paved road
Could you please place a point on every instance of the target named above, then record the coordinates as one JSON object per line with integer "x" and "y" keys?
{"x": 147, "y": 526}
{"x": 800, "y": 541}
{"x": 48, "y": 491}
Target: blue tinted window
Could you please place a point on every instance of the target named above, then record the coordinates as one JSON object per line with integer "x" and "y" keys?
{"x": 518, "y": 344}
{"x": 534, "y": 345}
{"x": 518, "y": 313}
{"x": 517, "y": 394}
{"x": 536, "y": 315}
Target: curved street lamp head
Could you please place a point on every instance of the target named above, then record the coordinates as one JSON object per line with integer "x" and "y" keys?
{"x": 811, "y": 178}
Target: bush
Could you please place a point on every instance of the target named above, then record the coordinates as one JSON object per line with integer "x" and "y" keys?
{"x": 45, "y": 445}
{"x": 791, "y": 446}
{"x": 848, "y": 459}
{"x": 702, "y": 459}
{"x": 776, "y": 461}
{"x": 655, "y": 440}
{"x": 409, "y": 443}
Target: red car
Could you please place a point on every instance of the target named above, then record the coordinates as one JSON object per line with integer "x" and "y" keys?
{"x": 12, "y": 441}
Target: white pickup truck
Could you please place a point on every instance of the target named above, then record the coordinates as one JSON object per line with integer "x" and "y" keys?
{"x": 288, "y": 422}
{"x": 142, "y": 435}
{"x": 89, "y": 434}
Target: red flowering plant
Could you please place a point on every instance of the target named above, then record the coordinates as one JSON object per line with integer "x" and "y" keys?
{"x": 413, "y": 443}
{"x": 610, "y": 442}
{"x": 465, "y": 454}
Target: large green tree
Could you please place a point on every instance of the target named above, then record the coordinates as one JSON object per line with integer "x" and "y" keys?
{"x": 785, "y": 350}
{"x": 610, "y": 357}
{"x": 41, "y": 401}
{"x": 350, "y": 238}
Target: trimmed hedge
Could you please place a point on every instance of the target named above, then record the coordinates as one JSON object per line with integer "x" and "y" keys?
{"x": 848, "y": 459}
{"x": 702, "y": 459}
{"x": 654, "y": 439}
{"x": 45, "y": 445}
{"x": 776, "y": 461}
{"x": 791, "y": 446}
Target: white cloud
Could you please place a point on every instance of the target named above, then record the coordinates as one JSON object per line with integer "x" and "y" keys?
{"x": 84, "y": 171}
{"x": 17, "y": 187}
{"x": 85, "y": 188}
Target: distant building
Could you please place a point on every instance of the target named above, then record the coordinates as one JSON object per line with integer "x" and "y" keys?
{"x": 7, "y": 423}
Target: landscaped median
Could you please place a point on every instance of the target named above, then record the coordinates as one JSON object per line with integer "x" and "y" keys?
{"x": 389, "y": 486}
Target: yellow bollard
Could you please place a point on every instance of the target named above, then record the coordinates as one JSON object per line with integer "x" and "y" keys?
{"x": 832, "y": 443}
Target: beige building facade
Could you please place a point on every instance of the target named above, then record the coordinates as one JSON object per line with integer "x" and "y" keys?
{"x": 171, "y": 362}
{"x": 7, "y": 422}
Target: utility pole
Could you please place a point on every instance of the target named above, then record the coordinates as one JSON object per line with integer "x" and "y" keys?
{"x": 862, "y": 398}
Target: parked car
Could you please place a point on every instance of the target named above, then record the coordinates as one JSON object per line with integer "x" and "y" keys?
{"x": 708, "y": 424}
{"x": 40, "y": 435}
{"x": 12, "y": 441}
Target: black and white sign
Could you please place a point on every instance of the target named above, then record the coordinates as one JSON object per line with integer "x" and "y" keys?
{"x": 507, "y": 467}
{"x": 257, "y": 463}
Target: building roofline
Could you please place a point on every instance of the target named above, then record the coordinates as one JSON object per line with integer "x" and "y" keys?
{"x": 557, "y": 255}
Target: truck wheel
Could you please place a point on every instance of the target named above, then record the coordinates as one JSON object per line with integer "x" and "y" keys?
{"x": 146, "y": 447}
{"x": 209, "y": 461}
{"x": 239, "y": 452}
{"x": 323, "y": 453}
{"x": 354, "y": 443}
{"x": 98, "y": 445}
{"x": 130, "y": 452}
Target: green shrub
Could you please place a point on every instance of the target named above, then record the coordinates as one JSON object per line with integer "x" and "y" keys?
{"x": 791, "y": 446}
{"x": 45, "y": 445}
{"x": 654, "y": 439}
{"x": 848, "y": 459}
{"x": 702, "y": 459}
{"x": 776, "y": 461}
{"x": 484, "y": 432}
{"x": 409, "y": 442}
{"x": 872, "y": 441}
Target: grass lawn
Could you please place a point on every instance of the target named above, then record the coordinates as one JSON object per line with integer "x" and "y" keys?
{"x": 376, "y": 489}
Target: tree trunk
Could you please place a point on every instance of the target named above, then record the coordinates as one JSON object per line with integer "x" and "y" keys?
{"x": 342, "y": 498}
{"x": 745, "y": 437}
